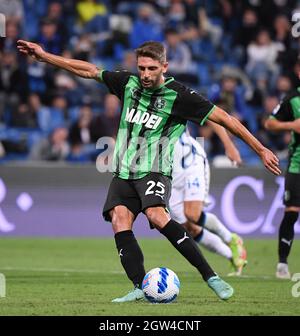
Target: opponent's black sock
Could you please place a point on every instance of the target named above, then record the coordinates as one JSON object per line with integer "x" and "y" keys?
{"x": 201, "y": 219}
{"x": 199, "y": 236}
{"x": 286, "y": 235}
{"x": 131, "y": 256}
{"x": 186, "y": 245}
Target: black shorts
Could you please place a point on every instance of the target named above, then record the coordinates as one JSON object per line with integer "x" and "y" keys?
{"x": 292, "y": 190}
{"x": 138, "y": 195}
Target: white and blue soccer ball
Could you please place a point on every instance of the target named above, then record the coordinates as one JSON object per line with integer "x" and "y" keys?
{"x": 161, "y": 285}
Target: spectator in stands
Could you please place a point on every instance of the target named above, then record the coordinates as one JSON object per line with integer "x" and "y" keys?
{"x": 111, "y": 115}
{"x": 14, "y": 148}
{"x": 28, "y": 117}
{"x": 116, "y": 43}
{"x": 245, "y": 35}
{"x": 262, "y": 57}
{"x": 192, "y": 10}
{"x": 12, "y": 9}
{"x": 128, "y": 63}
{"x": 12, "y": 35}
{"x": 84, "y": 134}
{"x": 283, "y": 86}
{"x": 176, "y": 17}
{"x": 269, "y": 10}
{"x": 53, "y": 148}
{"x": 50, "y": 37}
{"x": 293, "y": 72}
{"x": 282, "y": 30}
{"x": 50, "y": 118}
{"x": 230, "y": 15}
{"x": 56, "y": 14}
{"x": 231, "y": 96}
{"x": 180, "y": 58}
{"x": 83, "y": 47}
{"x": 33, "y": 12}
{"x": 92, "y": 15}
{"x": 249, "y": 29}
{"x": 190, "y": 20}
{"x": 282, "y": 33}
{"x": 209, "y": 29}
{"x": 13, "y": 85}
{"x": 80, "y": 132}
{"x": 274, "y": 140}
{"x": 23, "y": 117}
{"x": 66, "y": 85}
{"x": 89, "y": 9}
{"x": 146, "y": 27}
{"x": 39, "y": 77}
{"x": 180, "y": 19}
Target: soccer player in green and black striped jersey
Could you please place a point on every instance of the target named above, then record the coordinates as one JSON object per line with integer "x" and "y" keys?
{"x": 286, "y": 117}
{"x": 155, "y": 110}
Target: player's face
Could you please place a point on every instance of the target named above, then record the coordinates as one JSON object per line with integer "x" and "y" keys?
{"x": 151, "y": 72}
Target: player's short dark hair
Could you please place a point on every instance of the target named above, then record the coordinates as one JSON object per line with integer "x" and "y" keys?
{"x": 152, "y": 49}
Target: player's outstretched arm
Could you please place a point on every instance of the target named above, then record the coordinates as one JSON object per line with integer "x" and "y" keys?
{"x": 77, "y": 67}
{"x": 230, "y": 149}
{"x": 268, "y": 158}
{"x": 273, "y": 124}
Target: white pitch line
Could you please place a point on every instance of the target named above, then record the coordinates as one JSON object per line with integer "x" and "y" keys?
{"x": 266, "y": 277}
{"x": 64, "y": 270}
{"x": 71, "y": 270}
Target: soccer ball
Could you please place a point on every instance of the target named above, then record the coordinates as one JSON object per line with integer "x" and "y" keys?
{"x": 161, "y": 285}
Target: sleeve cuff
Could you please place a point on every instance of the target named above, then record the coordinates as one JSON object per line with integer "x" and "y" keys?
{"x": 100, "y": 75}
{"x": 208, "y": 114}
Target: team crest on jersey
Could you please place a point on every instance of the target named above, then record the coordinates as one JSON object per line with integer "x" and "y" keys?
{"x": 160, "y": 103}
{"x": 134, "y": 92}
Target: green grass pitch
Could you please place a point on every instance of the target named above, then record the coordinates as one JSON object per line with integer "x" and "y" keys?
{"x": 81, "y": 276}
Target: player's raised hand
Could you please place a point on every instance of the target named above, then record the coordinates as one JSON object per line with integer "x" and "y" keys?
{"x": 270, "y": 161}
{"x": 233, "y": 155}
{"x": 31, "y": 49}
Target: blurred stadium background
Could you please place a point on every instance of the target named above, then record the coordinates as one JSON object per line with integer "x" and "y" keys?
{"x": 239, "y": 53}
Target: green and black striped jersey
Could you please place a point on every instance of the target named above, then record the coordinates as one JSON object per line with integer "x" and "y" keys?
{"x": 151, "y": 122}
{"x": 289, "y": 110}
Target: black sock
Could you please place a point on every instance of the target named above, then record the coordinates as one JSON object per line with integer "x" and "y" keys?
{"x": 131, "y": 256}
{"x": 185, "y": 244}
{"x": 202, "y": 219}
{"x": 199, "y": 236}
{"x": 286, "y": 235}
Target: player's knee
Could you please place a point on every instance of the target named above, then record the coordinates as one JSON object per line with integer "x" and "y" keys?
{"x": 121, "y": 219}
{"x": 153, "y": 215}
{"x": 192, "y": 211}
{"x": 157, "y": 216}
{"x": 192, "y": 216}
